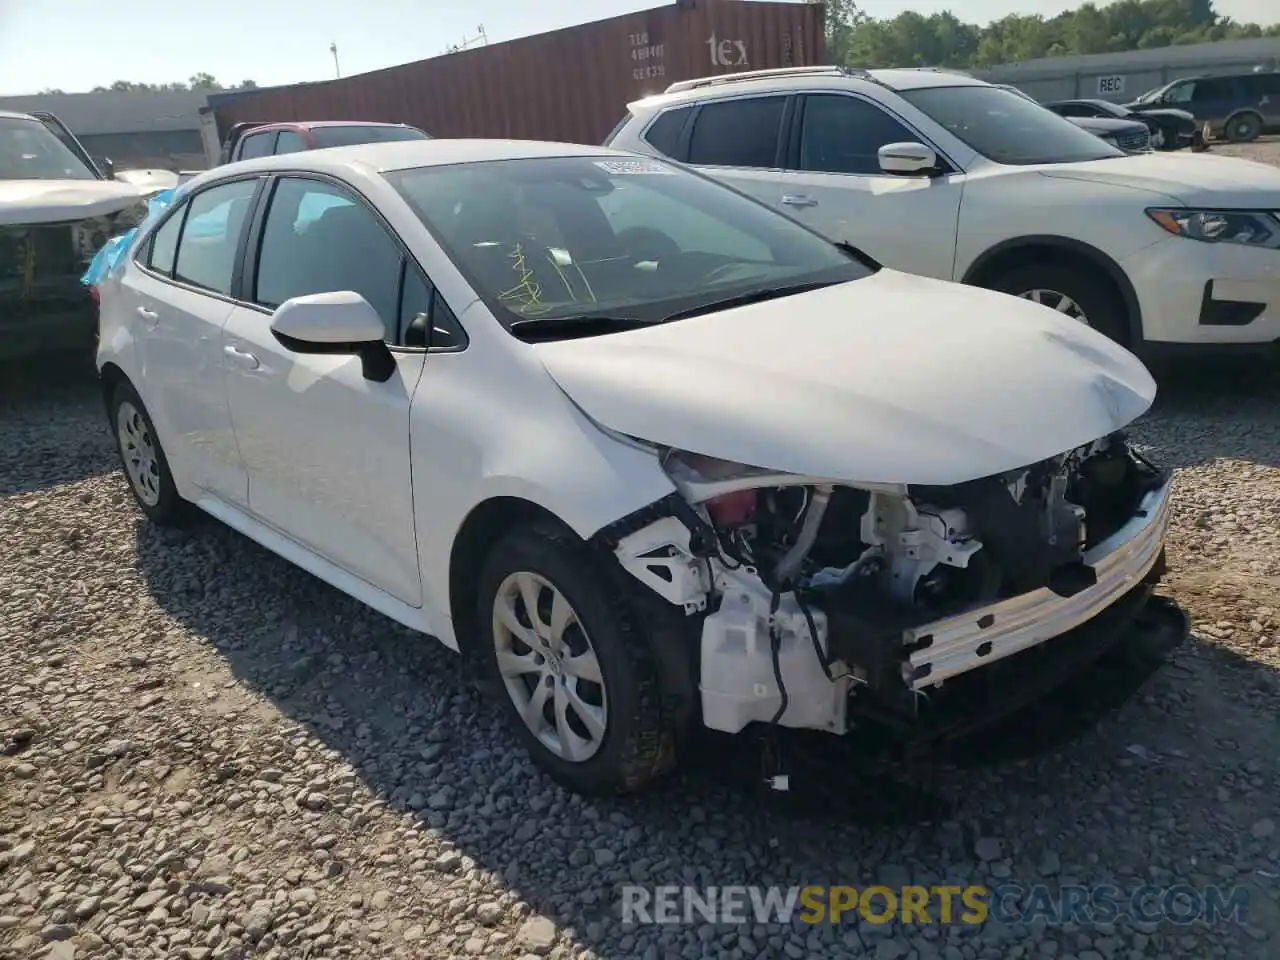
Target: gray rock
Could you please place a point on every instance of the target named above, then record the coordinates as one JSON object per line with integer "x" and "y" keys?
{"x": 989, "y": 848}
{"x": 537, "y": 934}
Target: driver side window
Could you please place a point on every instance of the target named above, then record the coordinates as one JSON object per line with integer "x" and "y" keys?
{"x": 1182, "y": 93}
{"x": 844, "y": 135}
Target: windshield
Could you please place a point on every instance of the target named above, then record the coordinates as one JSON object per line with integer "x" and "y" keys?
{"x": 592, "y": 236}
{"x": 350, "y": 136}
{"x": 30, "y": 151}
{"x": 1006, "y": 128}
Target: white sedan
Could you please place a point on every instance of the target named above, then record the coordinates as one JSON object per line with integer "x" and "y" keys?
{"x": 655, "y": 454}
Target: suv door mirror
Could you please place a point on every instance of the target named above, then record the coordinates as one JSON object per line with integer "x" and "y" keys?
{"x": 907, "y": 158}
{"x": 342, "y": 322}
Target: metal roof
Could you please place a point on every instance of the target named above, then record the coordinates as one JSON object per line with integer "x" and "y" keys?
{"x": 87, "y": 114}
{"x": 1261, "y": 51}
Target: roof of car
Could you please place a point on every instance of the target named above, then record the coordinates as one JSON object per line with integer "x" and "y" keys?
{"x": 10, "y": 115}
{"x": 898, "y": 79}
{"x": 316, "y": 124}
{"x": 405, "y": 155}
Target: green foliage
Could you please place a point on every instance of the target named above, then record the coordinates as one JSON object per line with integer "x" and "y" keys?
{"x": 201, "y": 81}
{"x": 943, "y": 40}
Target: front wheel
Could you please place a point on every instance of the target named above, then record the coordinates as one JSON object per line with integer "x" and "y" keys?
{"x": 577, "y": 678}
{"x": 1077, "y": 293}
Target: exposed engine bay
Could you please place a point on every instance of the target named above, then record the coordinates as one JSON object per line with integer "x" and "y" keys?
{"x": 817, "y": 598}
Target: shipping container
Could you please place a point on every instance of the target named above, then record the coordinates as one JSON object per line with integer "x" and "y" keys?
{"x": 570, "y": 85}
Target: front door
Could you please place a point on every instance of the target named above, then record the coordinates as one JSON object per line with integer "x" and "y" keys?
{"x": 326, "y": 449}
{"x": 180, "y": 295}
{"x": 836, "y": 186}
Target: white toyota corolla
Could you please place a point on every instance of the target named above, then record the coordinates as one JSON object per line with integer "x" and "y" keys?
{"x": 655, "y": 454}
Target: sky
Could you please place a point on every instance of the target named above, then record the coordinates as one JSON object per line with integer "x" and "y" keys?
{"x": 74, "y": 45}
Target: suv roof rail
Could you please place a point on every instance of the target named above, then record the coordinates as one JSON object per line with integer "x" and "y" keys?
{"x": 766, "y": 74}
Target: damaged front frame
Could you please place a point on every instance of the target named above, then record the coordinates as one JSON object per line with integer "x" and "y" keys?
{"x": 755, "y": 637}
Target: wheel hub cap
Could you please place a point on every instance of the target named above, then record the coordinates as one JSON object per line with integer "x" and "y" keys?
{"x": 138, "y": 450}
{"x": 549, "y": 667}
{"x": 1057, "y": 301}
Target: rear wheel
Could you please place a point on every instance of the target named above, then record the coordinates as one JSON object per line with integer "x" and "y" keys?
{"x": 145, "y": 465}
{"x": 1081, "y": 294}
{"x": 1244, "y": 128}
{"x": 577, "y": 678}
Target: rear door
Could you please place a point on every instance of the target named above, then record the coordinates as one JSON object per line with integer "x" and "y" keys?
{"x": 739, "y": 141}
{"x": 834, "y": 184}
{"x": 179, "y": 292}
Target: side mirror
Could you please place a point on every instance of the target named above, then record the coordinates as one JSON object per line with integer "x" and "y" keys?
{"x": 342, "y": 322}
{"x": 909, "y": 158}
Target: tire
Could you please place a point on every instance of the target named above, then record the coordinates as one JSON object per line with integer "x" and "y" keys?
{"x": 142, "y": 459}
{"x": 632, "y": 742}
{"x": 1090, "y": 289}
{"x": 1244, "y": 128}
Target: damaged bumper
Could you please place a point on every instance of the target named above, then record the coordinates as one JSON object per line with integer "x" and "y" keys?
{"x": 947, "y": 648}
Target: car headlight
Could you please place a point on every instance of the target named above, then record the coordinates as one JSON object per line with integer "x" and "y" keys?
{"x": 1248, "y": 228}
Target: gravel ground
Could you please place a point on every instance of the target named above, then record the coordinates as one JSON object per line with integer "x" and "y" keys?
{"x": 207, "y": 753}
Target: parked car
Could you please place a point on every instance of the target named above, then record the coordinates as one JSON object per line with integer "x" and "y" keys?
{"x": 57, "y": 207}
{"x": 1131, "y": 136}
{"x": 1170, "y": 129}
{"x": 651, "y": 452}
{"x": 1128, "y": 135}
{"x": 1238, "y": 108}
{"x": 945, "y": 176}
{"x": 248, "y": 140}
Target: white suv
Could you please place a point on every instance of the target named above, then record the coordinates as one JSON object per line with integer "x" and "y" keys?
{"x": 940, "y": 174}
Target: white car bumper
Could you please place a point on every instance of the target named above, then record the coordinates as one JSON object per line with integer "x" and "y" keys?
{"x": 987, "y": 634}
{"x": 1207, "y": 294}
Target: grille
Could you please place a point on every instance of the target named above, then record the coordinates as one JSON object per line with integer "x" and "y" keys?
{"x": 1136, "y": 142}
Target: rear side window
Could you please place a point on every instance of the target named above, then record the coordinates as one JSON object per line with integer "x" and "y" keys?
{"x": 664, "y": 133}
{"x": 164, "y": 244}
{"x": 738, "y": 133}
{"x": 290, "y": 142}
{"x": 257, "y": 145}
{"x": 211, "y": 236}
{"x": 349, "y": 136}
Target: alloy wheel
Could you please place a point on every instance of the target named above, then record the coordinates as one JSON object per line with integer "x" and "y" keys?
{"x": 138, "y": 450}
{"x": 549, "y": 667}
{"x": 1057, "y": 301}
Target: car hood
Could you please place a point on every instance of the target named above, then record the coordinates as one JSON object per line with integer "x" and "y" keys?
{"x": 1173, "y": 113}
{"x": 64, "y": 201}
{"x": 1195, "y": 179}
{"x": 889, "y": 379}
{"x": 1107, "y": 124}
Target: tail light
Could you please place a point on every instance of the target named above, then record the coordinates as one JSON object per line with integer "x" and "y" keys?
{"x": 731, "y": 509}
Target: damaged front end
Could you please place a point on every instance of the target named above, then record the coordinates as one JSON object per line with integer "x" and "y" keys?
{"x": 824, "y": 604}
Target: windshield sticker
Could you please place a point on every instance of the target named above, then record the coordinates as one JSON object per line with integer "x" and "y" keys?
{"x": 626, "y": 167}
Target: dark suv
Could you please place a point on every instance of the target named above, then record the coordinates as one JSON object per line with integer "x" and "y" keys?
{"x": 247, "y": 140}
{"x": 1239, "y": 108}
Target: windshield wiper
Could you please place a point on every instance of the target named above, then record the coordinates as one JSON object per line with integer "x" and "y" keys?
{"x": 755, "y": 296}
{"x": 589, "y": 325}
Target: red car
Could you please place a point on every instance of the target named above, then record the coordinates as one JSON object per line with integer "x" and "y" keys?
{"x": 247, "y": 140}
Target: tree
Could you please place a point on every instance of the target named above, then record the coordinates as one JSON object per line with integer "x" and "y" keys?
{"x": 201, "y": 81}
{"x": 912, "y": 39}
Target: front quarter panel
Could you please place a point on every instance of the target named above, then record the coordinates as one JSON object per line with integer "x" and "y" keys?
{"x": 1005, "y": 204}
{"x": 489, "y": 422}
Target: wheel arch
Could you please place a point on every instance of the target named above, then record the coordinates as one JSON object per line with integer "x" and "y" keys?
{"x": 487, "y": 522}
{"x": 109, "y": 378}
{"x": 1020, "y": 251}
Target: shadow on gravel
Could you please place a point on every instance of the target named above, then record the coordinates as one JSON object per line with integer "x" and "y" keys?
{"x": 411, "y": 722}
{"x": 52, "y": 428}
{"x": 1219, "y": 408}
